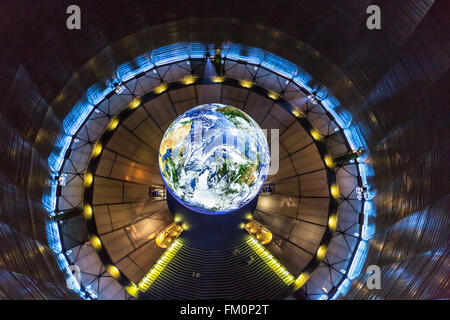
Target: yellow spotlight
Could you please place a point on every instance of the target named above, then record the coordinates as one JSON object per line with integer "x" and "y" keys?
{"x": 316, "y": 135}
{"x": 321, "y": 252}
{"x": 332, "y": 222}
{"x": 185, "y": 226}
{"x": 249, "y": 216}
{"x": 334, "y": 191}
{"x": 161, "y": 88}
{"x": 246, "y": 83}
{"x": 113, "y": 271}
{"x": 88, "y": 178}
{"x": 266, "y": 235}
{"x": 97, "y": 150}
{"x": 301, "y": 280}
{"x": 297, "y": 113}
{"x": 135, "y": 103}
{"x": 270, "y": 261}
{"x": 159, "y": 266}
{"x": 39, "y": 136}
{"x": 113, "y": 124}
{"x": 161, "y": 240}
{"x": 189, "y": 79}
{"x": 132, "y": 290}
{"x": 329, "y": 161}
{"x": 87, "y": 212}
{"x": 272, "y": 95}
{"x": 41, "y": 249}
{"x": 218, "y": 79}
{"x": 96, "y": 243}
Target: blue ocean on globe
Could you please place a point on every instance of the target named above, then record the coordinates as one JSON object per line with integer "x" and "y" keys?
{"x": 214, "y": 158}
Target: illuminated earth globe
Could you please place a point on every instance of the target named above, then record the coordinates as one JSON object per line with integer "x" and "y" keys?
{"x": 214, "y": 158}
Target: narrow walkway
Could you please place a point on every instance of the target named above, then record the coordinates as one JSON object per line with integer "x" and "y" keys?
{"x": 245, "y": 272}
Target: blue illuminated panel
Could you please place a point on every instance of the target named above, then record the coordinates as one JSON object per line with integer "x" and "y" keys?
{"x": 279, "y": 65}
{"x": 129, "y": 70}
{"x": 358, "y": 260}
{"x": 56, "y": 158}
{"x": 170, "y": 54}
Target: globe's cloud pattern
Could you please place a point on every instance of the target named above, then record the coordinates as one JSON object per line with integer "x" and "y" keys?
{"x": 214, "y": 158}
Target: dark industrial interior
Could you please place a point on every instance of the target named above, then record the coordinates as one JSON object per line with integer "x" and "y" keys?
{"x": 362, "y": 117}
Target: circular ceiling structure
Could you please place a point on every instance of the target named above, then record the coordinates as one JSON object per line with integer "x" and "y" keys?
{"x": 111, "y": 173}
